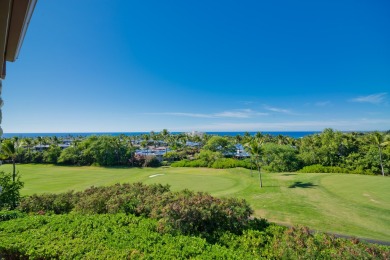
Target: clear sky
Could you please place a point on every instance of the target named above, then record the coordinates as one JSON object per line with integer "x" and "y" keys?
{"x": 121, "y": 65}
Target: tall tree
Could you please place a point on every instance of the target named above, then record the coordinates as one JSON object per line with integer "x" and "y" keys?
{"x": 220, "y": 144}
{"x": 256, "y": 151}
{"x": 8, "y": 151}
{"x": 28, "y": 142}
{"x": 380, "y": 140}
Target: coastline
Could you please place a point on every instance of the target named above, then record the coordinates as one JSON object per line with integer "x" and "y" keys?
{"x": 293, "y": 134}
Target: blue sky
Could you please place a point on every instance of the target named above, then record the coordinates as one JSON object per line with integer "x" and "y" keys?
{"x": 103, "y": 66}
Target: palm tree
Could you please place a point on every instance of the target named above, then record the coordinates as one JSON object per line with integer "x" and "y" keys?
{"x": 380, "y": 140}
{"x": 238, "y": 139}
{"x": 164, "y": 135}
{"x": 28, "y": 142}
{"x": 8, "y": 150}
{"x": 256, "y": 150}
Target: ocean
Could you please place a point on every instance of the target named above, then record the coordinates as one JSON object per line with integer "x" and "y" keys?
{"x": 293, "y": 134}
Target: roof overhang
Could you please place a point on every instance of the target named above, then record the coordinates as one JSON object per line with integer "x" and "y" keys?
{"x": 15, "y": 17}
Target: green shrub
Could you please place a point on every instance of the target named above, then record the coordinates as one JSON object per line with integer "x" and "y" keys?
{"x": 198, "y": 163}
{"x": 300, "y": 243}
{"x": 56, "y": 203}
{"x": 9, "y": 190}
{"x": 151, "y": 161}
{"x": 185, "y": 211}
{"x": 220, "y": 163}
{"x": 317, "y": 168}
{"x": 10, "y": 214}
{"x": 191, "y": 163}
{"x": 201, "y": 213}
{"x": 182, "y": 163}
{"x": 225, "y": 163}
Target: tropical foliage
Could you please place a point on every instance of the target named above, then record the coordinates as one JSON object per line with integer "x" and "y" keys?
{"x": 363, "y": 153}
{"x": 10, "y": 185}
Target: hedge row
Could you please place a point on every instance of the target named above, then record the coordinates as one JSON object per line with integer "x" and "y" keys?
{"x": 318, "y": 168}
{"x": 222, "y": 163}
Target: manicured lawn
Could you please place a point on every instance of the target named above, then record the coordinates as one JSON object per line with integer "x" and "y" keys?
{"x": 346, "y": 204}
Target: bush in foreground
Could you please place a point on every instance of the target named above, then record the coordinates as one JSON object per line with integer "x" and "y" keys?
{"x": 9, "y": 190}
{"x": 186, "y": 212}
{"x": 121, "y": 236}
{"x": 105, "y": 236}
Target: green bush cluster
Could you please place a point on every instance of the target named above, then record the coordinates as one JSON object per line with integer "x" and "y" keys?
{"x": 318, "y": 168}
{"x": 220, "y": 163}
{"x": 56, "y": 203}
{"x": 300, "y": 243}
{"x": 9, "y": 190}
{"x": 190, "y": 163}
{"x": 225, "y": 163}
{"x": 276, "y": 242}
{"x": 186, "y": 211}
{"x": 202, "y": 214}
{"x": 10, "y": 214}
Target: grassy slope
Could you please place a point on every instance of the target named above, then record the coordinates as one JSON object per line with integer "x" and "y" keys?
{"x": 347, "y": 204}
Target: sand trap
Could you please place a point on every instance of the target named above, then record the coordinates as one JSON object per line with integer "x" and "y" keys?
{"x": 155, "y": 175}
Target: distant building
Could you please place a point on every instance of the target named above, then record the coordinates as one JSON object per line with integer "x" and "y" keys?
{"x": 158, "y": 152}
{"x": 195, "y": 133}
{"x": 193, "y": 144}
{"x": 43, "y": 147}
{"x": 240, "y": 152}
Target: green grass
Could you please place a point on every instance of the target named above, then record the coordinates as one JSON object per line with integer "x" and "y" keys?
{"x": 347, "y": 204}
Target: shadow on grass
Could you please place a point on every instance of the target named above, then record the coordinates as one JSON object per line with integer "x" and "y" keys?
{"x": 289, "y": 174}
{"x": 299, "y": 184}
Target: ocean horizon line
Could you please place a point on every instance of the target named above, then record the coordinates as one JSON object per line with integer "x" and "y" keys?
{"x": 294, "y": 134}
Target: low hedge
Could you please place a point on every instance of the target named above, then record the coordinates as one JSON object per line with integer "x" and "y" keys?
{"x": 318, "y": 168}
{"x": 221, "y": 163}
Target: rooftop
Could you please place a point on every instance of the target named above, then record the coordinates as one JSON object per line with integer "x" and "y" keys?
{"x": 15, "y": 17}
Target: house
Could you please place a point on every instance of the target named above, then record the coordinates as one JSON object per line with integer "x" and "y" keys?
{"x": 240, "y": 152}
{"x": 158, "y": 152}
{"x": 43, "y": 147}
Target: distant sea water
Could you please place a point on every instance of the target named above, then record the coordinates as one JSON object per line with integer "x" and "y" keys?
{"x": 292, "y": 134}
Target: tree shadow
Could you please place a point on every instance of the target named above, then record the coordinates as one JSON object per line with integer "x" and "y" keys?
{"x": 299, "y": 184}
{"x": 289, "y": 174}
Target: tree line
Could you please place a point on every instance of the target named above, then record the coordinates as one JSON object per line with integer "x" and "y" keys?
{"x": 329, "y": 151}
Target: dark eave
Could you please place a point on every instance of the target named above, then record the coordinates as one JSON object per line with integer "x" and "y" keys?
{"x": 15, "y": 17}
